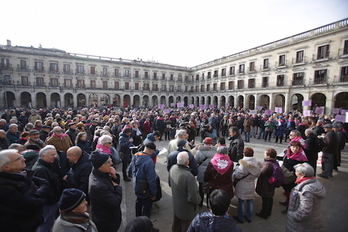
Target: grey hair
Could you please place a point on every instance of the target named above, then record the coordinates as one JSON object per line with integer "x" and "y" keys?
{"x": 309, "y": 131}
{"x": 222, "y": 150}
{"x": 16, "y": 146}
{"x": 179, "y": 133}
{"x": 12, "y": 125}
{"x": 29, "y": 125}
{"x": 3, "y": 120}
{"x": 105, "y": 132}
{"x": 182, "y": 157}
{"x": 305, "y": 169}
{"x": 105, "y": 139}
{"x": 296, "y": 132}
{"x": 1, "y": 130}
{"x": 4, "y": 157}
{"x": 44, "y": 150}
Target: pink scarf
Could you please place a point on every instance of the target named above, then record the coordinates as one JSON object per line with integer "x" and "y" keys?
{"x": 60, "y": 136}
{"x": 103, "y": 149}
{"x": 299, "y": 156}
{"x": 221, "y": 163}
{"x": 300, "y": 180}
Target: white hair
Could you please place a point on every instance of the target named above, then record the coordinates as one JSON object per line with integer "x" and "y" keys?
{"x": 4, "y": 157}
{"x": 105, "y": 139}
{"x": 44, "y": 150}
{"x": 182, "y": 157}
{"x": 179, "y": 133}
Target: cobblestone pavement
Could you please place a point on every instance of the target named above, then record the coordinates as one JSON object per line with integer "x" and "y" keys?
{"x": 334, "y": 206}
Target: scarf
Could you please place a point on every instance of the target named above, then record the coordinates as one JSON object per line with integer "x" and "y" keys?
{"x": 59, "y": 136}
{"x": 103, "y": 149}
{"x": 299, "y": 156}
{"x": 221, "y": 163}
{"x": 300, "y": 180}
{"x": 77, "y": 218}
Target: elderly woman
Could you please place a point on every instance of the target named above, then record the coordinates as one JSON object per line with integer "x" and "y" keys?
{"x": 294, "y": 155}
{"x": 219, "y": 172}
{"x": 249, "y": 169}
{"x": 305, "y": 201}
{"x": 82, "y": 142}
{"x": 104, "y": 145}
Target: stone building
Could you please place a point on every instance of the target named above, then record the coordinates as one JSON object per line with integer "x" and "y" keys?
{"x": 311, "y": 65}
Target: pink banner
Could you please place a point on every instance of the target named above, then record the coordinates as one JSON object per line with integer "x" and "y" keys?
{"x": 160, "y": 106}
{"x": 278, "y": 110}
{"x": 341, "y": 118}
{"x": 211, "y": 106}
{"x": 227, "y": 104}
{"x": 191, "y": 106}
{"x": 306, "y": 113}
{"x": 268, "y": 112}
{"x": 172, "y": 104}
{"x": 202, "y": 107}
{"x": 166, "y": 111}
{"x": 306, "y": 103}
{"x": 259, "y": 107}
{"x": 344, "y": 111}
{"x": 319, "y": 110}
{"x": 335, "y": 110}
{"x": 180, "y": 104}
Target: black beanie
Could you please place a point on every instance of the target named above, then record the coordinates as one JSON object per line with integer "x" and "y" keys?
{"x": 98, "y": 159}
{"x": 70, "y": 199}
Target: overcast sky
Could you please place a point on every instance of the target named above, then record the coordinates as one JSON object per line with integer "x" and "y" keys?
{"x": 177, "y": 32}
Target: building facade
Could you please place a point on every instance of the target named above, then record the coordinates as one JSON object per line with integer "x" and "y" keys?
{"x": 312, "y": 65}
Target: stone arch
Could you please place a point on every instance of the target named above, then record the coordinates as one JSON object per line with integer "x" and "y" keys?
{"x": 231, "y": 101}
{"x": 209, "y": 100}
{"x": 296, "y": 102}
{"x": 93, "y": 100}
{"x": 251, "y": 102}
{"x": 116, "y": 100}
{"x": 215, "y": 101}
{"x": 163, "y": 100}
{"x": 41, "y": 100}
{"x": 318, "y": 100}
{"x": 202, "y": 100}
{"x": 81, "y": 100}
{"x": 26, "y": 99}
{"x": 154, "y": 100}
{"x": 55, "y": 100}
{"x": 136, "y": 101}
{"x": 146, "y": 100}
{"x": 223, "y": 101}
{"x": 171, "y": 100}
{"x": 126, "y": 101}
{"x": 69, "y": 100}
{"x": 9, "y": 99}
{"x": 264, "y": 101}
{"x": 279, "y": 101}
{"x": 185, "y": 101}
{"x": 341, "y": 100}
{"x": 240, "y": 101}
{"x": 104, "y": 99}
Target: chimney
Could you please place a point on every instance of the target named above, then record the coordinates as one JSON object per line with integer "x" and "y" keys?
{"x": 9, "y": 43}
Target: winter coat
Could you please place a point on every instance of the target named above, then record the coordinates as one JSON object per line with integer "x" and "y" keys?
{"x": 203, "y": 157}
{"x": 25, "y": 214}
{"x": 46, "y": 171}
{"x": 269, "y": 126}
{"x": 247, "y": 125}
{"x": 79, "y": 172}
{"x": 304, "y": 207}
{"x": 263, "y": 188}
{"x": 311, "y": 148}
{"x": 208, "y": 222}
{"x": 331, "y": 143}
{"x": 124, "y": 146}
{"x": 4, "y": 143}
{"x": 151, "y": 138}
{"x": 72, "y": 134}
{"x": 84, "y": 145}
{"x": 14, "y": 138}
{"x": 245, "y": 187}
{"x": 235, "y": 150}
{"x": 185, "y": 192}
{"x": 61, "y": 225}
{"x": 171, "y": 160}
{"x": 289, "y": 164}
{"x": 105, "y": 199}
{"x": 143, "y": 168}
{"x": 280, "y": 127}
{"x": 61, "y": 144}
{"x": 172, "y": 146}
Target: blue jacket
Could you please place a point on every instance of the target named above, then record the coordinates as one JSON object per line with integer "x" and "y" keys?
{"x": 143, "y": 168}
{"x": 208, "y": 222}
{"x": 151, "y": 138}
{"x": 124, "y": 146}
{"x": 171, "y": 160}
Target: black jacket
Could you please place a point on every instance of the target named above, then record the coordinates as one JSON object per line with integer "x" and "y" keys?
{"x": 235, "y": 150}
{"x": 105, "y": 201}
{"x": 21, "y": 201}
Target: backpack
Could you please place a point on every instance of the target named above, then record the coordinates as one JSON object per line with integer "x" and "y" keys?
{"x": 277, "y": 178}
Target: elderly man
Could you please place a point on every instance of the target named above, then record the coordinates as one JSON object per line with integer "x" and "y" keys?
{"x": 60, "y": 140}
{"x": 185, "y": 193}
{"x": 44, "y": 168}
{"x": 181, "y": 134}
{"x": 80, "y": 169}
{"x": 72, "y": 132}
{"x": 125, "y": 142}
{"x": 105, "y": 194}
{"x": 34, "y": 139}
{"x": 21, "y": 196}
{"x": 235, "y": 150}
{"x": 4, "y": 142}
{"x": 13, "y": 134}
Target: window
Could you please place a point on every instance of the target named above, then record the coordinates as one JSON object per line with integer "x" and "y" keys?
{"x": 320, "y": 76}
{"x": 5, "y": 63}
{"x": 67, "y": 83}
{"x": 126, "y": 73}
{"x": 252, "y": 66}
{"x": 202, "y": 88}
{"x": 126, "y": 85}
{"x": 80, "y": 69}
{"x": 117, "y": 85}
{"x": 197, "y": 89}
{"x": 344, "y": 74}
{"x": 209, "y": 75}
{"x": 223, "y": 72}
{"x": 24, "y": 80}
{"x": 180, "y": 78}
{"x": 241, "y": 68}
{"x": 93, "y": 70}
{"x": 208, "y": 87}
{"x": 216, "y": 73}
{"x": 299, "y": 56}
{"x": 39, "y": 66}
{"x": 146, "y": 86}
{"x": 105, "y": 85}
{"x": 297, "y": 78}
{"x": 232, "y": 70}
{"x": 265, "y": 63}
{"x": 171, "y": 88}
{"x": 93, "y": 84}
{"x": 280, "y": 80}
{"x": 240, "y": 84}
{"x": 163, "y": 76}
{"x": 136, "y": 86}
{"x": 80, "y": 84}
{"x": 40, "y": 81}
{"x": 171, "y": 77}
{"x": 215, "y": 87}
{"x": 202, "y": 76}
{"x": 53, "y": 67}
{"x": 136, "y": 74}
{"x": 117, "y": 72}
{"x": 251, "y": 83}
{"x": 231, "y": 85}
{"x": 345, "y": 48}
{"x": 155, "y": 87}
{"x": 163, "y": 87}
{"x": 54, "y": 82}
{"x": 222, "y": 86}
{"x": 146, "y": 75}
{"x": 155, "y": 76}
{"x": 179, "y": 88}
{"x": 23, "y": 64}
{"x": 197, "y": 77}
{"x": 323, "y": 52}
{"x": 282, "y": 60}
{"x": 264, "y": 82}
{"x": 66, "y": 68}
{"x": 105, "y": 72}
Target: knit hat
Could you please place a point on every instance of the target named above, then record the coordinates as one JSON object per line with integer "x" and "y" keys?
{"x": 98, "y": 159}
{"x": 208, "y": 140}
{"x": 70, "y": 199}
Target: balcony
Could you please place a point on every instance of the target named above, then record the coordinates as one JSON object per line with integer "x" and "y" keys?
{"x": 23, "y": 68}
{"x": 344, "y": 78}
{"x": 68, "y": 72}
{"x": 52, "y": 71}
{"x": 36, "y": 69}
{"x": 319, "y": 80}
{"x": 298, "y": 82}
{"x": 6, "y": 66}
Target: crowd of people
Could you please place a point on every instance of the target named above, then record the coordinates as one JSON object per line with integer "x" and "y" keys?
{"x": 55, "y": 163}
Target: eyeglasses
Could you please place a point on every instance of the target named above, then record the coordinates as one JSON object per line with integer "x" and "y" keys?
{"x": 18, "y": 158}
{"x": 59, "y": 131}
{"x": 109, "y": 142}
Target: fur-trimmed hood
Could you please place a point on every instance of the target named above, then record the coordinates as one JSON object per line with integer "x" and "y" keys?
{"x": 251, "y": 164}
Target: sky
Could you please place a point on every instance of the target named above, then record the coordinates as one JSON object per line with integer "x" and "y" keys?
{"x": 176, "y": 32}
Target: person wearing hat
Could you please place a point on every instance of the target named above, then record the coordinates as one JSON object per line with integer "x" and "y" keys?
{"x": 204, "y": 155}
{"x": 342, "y": 138}
{"x": 143, "y": 169}
{"x": 73, "y": 213}
{"x": 72, "y": 132}
{"x": 34, "y": 139}
{"x": 105, "y": 194}
{"x": 330, "y": 150}
{"x": 44, "y": 132}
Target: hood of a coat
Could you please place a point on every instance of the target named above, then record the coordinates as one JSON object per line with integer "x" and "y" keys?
{"x": 251, "y": 164}
{"x": 313, "y": 186}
